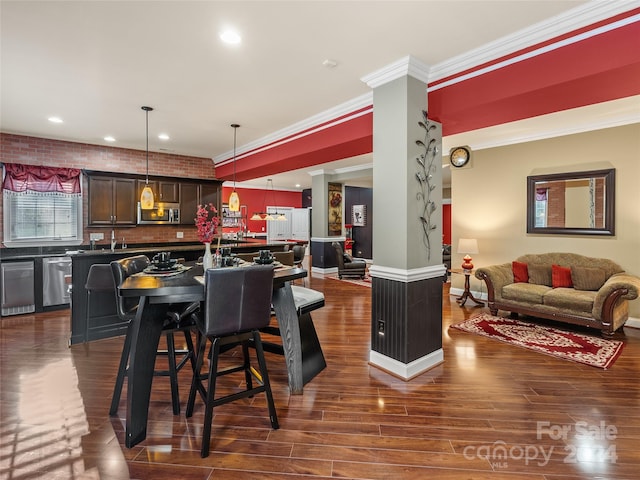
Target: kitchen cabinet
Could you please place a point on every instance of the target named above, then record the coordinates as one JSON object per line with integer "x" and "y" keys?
{"x": 189, "y": 200}
{"x": 210, "y": 193}
{"x": 112, "y": 201}
{"x": 194, "y": 194}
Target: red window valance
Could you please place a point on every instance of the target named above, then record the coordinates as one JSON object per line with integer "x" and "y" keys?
{"x": 36, "y": 178}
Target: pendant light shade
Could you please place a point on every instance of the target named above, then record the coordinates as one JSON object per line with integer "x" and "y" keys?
{"x": 146, "y": 197}
{"x": 281, "y": 217}
{"x": 234, "y": 199}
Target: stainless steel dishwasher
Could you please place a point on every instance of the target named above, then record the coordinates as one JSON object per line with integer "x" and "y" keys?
{"x": 17, "y": 288}
{"x": 54, "y": 286}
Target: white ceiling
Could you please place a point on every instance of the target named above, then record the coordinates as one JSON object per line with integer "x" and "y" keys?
{"x": 95, "y": 63}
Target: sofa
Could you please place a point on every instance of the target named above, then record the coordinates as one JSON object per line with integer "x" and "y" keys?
{"x": 565, "y": 287}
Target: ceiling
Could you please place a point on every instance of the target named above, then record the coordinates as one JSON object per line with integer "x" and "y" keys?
{"x": 94, "y": 64}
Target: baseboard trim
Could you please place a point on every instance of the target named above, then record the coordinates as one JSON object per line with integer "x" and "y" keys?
{"x": 406, "y": 371}
{"x": 324, "y": 271}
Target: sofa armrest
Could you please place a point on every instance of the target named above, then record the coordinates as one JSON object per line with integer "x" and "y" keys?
{"x": 619, "y": 286}
{"x": 496, "y": 277}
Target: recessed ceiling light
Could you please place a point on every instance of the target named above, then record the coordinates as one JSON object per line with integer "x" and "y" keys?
{"x": 297, "y": 185}
{"x": 55, "y": 119}
{"x": 230, "y": 37}
{"x": 109, "y": 138}
{"x": 163, "y": 136}
{"x": 329, "y": 63}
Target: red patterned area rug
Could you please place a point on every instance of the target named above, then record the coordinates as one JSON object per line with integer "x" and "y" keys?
{"x": 355, "y": 280}
{"x": 590, "y": 350}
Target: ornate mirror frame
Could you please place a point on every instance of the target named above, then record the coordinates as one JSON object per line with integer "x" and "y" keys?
{"x": 595, "y": 200}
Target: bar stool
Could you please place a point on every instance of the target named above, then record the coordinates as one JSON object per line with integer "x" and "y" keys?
{"x": 99, "y": 279}
{"x": 178, "y": 320}
{"x": 237, "y": 304}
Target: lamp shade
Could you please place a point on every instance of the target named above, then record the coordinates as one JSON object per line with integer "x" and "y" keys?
{"x": 146, "y": 198}
{"x": 467, "y": 245}
{"x": 234, "y": 202}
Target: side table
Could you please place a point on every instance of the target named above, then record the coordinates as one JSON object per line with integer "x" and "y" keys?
{"x": 467, "y": 292}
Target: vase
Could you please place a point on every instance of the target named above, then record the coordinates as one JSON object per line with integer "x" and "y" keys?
{"x": 207, "y": 259}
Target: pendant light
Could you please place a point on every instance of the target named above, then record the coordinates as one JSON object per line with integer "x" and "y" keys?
{"x": 266, "y": 215}
{"x": 146, "y": 197}
{"x": 234, "y": 199}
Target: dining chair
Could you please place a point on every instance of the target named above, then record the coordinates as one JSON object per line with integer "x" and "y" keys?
{"x": 298, "y": 255}
{"x": 99, "y": 282}
{"x": 285, "y": 258}
{"x": 178, "y": 319}
{"x": 237, "y": 304}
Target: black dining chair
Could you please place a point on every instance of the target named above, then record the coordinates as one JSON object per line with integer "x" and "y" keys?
{"x": 99, "y": 282}
{"x": 237, "y": 304}
{"x": 178, "y": 319}
{"x": 298, "y": 255}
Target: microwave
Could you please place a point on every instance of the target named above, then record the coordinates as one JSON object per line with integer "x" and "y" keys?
{"x": 160, "y": 214}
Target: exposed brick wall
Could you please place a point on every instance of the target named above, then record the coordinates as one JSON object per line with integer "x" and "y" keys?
{"x": 55, "y": 153}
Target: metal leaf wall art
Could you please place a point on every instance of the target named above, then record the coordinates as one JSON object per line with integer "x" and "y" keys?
{"x": 425, "y": 177}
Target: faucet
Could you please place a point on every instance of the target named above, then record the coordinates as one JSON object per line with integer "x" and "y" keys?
{"x": 113, "y": 240}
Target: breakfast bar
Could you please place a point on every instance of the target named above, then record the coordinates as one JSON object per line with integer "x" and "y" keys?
{"x": 98, "y": 319}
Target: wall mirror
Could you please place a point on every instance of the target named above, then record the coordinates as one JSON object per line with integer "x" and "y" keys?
{"x": 575, "y": 203}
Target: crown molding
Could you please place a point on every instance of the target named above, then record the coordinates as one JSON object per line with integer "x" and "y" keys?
{"x": 627, "y": 115}
{"x": 406, "y": 66}
{"x": 341, "y": 113}
{"x": 353, "y": 168}
{"x": 574, "y": 19}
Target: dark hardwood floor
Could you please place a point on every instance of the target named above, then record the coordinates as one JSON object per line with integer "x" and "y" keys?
{"x": 491, "y": 411}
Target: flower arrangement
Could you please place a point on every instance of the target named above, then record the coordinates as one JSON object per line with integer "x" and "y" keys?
{"x": 207, "y": 222}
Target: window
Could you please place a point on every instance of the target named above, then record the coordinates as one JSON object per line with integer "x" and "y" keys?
{"x": 541, "y": 207}
{"x": 42, "y": 206}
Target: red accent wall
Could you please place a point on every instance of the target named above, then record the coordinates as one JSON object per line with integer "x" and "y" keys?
{"x": 254, "y": 199}
{"x": 600, "y": 68}
{"x": 446, "y": 224}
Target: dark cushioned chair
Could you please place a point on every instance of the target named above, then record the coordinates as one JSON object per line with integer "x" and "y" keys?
{"x": 237, "y": 305}
{"x": 348, "y": 266}
{"x": 178, "y": 319}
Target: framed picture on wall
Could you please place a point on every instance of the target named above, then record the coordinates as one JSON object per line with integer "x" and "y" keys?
{"x": 359, "y": 215}
{"x": 335, "y": 209}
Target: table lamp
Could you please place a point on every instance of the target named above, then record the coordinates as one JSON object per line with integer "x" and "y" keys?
{"x": 467, "y": 246}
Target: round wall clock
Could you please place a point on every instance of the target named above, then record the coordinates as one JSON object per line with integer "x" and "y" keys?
{"x": 459, "y": 156}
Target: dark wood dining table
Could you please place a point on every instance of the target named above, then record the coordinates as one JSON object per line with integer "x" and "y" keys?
{"x": 156, "y": 293}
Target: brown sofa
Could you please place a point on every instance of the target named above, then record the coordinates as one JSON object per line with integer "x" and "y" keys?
{"x": 599, "y": 297}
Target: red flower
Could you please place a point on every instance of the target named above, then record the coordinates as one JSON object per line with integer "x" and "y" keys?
{"x": 207, "y": 222}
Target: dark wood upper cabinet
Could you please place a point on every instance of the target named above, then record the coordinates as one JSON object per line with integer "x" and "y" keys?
{"x": 168, "y": 192}
{"x": 112, "y": 201}
{"x": 210, "y": 193}
{"x": 113, "y": 198}
{"x": 189, "y": 199}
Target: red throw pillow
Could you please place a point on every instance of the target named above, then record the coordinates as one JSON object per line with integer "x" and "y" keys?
{"x": 520, "y": 272}
{"x": 561, "y": 276}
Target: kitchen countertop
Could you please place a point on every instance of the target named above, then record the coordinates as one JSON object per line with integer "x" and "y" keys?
{"x": 30, "y": 253}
